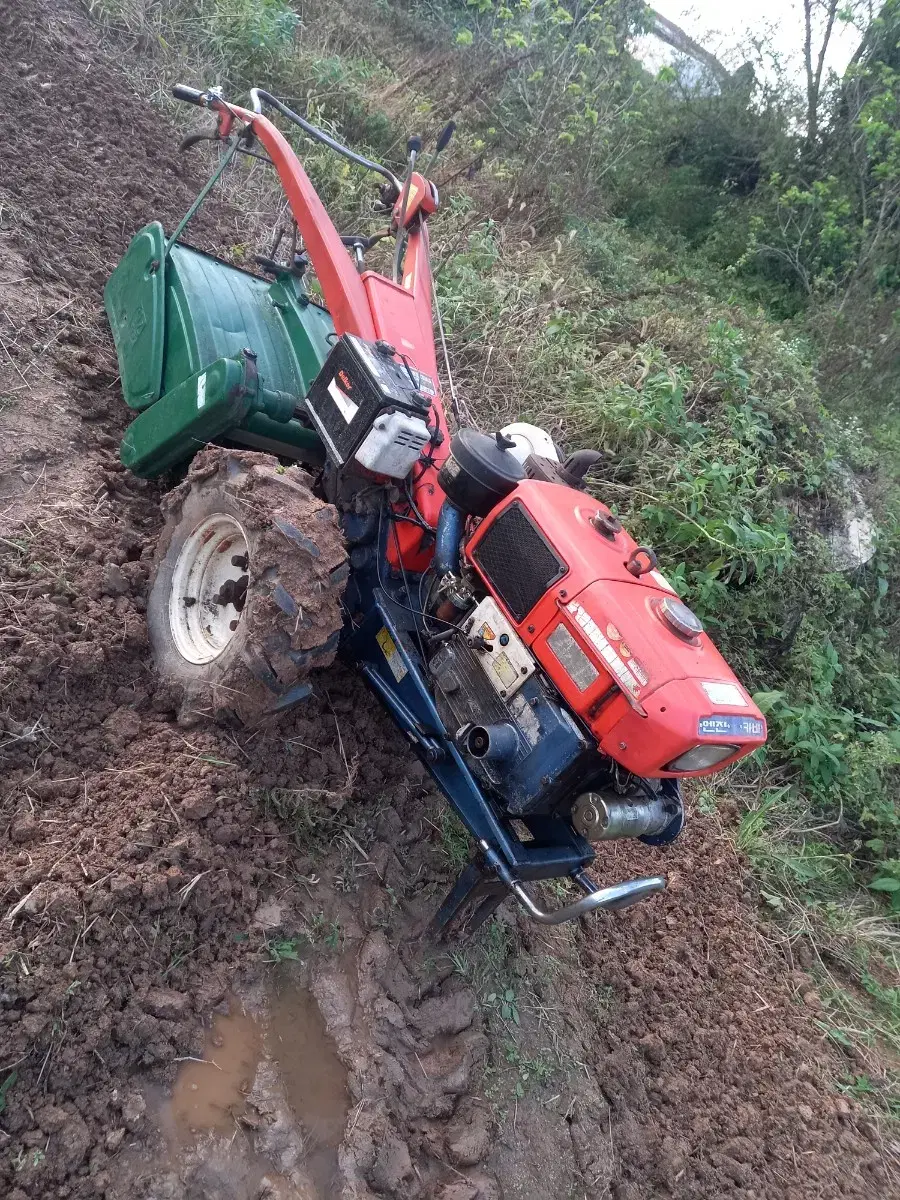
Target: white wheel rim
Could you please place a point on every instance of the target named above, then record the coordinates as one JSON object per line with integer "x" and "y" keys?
{"x": 206, "y": 601}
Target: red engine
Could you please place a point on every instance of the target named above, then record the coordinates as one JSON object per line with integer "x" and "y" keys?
{"x": 610, "y": 632}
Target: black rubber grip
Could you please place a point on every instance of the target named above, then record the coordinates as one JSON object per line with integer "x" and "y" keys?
{"x": 189, "y": 95}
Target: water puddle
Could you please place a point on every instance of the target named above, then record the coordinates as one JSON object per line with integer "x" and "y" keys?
{"x": 261, "y": 1073}
{"x": 210, "y": 1095}
{"x": 314, "y": 1079}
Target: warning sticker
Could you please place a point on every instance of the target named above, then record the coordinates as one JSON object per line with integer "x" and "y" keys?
{"x": 612, "y": 632}
{"x": 620, "y": 671}
{"x": 391, "y": 653}
{"x": 423, "y": 382}
{"x": 347, "y": 407}
{"x": 504, "y": 670}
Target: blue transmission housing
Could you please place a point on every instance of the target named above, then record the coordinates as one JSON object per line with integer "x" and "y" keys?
{"x": 548, "y": 747}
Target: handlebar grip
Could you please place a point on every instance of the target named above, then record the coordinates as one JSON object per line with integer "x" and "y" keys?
{"x": 189, "y": 95}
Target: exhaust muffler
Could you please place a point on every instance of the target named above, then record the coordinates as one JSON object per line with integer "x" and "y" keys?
{"x": 601, "y": 816}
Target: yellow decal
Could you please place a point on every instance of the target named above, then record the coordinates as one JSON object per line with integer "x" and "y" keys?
{"x": 391, "y": 653}
{"x": 486, "y": 632}
{"x": 504, "y": 669}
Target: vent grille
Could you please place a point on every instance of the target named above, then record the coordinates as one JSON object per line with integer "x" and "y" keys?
{"x": 517, "y": 560}
{"x": 410, "y": 438}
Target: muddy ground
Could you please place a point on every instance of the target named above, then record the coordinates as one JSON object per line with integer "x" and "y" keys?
{"x": 173, "y": 892}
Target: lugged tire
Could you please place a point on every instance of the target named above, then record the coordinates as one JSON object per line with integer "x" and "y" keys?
{"x": 291, "y": 619}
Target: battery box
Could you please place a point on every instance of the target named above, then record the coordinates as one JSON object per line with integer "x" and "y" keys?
{"x": 367, "y": 406}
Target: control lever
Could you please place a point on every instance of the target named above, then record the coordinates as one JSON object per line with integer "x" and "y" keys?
{"x": 577, "y": 465}
{"x": 413, "y": 149}
{"x": 443, "y": 141}
{"x": 297, "y": 269}
{"x": 444, "y": 137}
{"x": 480, "y": 643}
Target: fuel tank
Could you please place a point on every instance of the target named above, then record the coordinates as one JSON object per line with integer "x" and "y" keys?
{"x": 611, "y": 634}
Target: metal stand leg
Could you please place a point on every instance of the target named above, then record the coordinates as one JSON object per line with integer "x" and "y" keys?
{"x": 474, "y": 897}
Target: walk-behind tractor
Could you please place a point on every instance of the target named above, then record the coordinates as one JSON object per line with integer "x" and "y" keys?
{"x": 530, "y": 651}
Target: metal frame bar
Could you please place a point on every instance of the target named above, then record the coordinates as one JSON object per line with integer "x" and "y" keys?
{"x": 203, "y": 193}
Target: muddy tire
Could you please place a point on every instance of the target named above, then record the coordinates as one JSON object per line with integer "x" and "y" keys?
{"x": 246, "y": 596}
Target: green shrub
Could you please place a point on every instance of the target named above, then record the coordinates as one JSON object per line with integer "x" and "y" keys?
{"x": 251, "y": 36}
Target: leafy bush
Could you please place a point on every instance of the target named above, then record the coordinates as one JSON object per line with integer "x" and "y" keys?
{"x": 251, "y": 36}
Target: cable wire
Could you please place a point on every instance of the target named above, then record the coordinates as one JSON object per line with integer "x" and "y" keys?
{"x": 461, "y": 411}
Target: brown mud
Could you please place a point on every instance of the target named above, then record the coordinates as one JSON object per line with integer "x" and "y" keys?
{"x": 156, "y": 875}
{"x": 262, "y": 1066}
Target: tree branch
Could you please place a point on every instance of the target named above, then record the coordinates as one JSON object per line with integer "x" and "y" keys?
{"x": 673, "y": 35}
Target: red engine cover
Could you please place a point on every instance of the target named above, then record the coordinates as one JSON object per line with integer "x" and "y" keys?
{"x": 648, "y": 694}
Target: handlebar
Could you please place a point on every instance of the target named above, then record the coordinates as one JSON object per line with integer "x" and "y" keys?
{"x": 258, "y": 98}
{"x": 189, "y": 95}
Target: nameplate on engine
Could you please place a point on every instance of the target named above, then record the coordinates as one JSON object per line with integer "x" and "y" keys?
{"x": 501, "y": 652}
{"x": 727, "y": 725}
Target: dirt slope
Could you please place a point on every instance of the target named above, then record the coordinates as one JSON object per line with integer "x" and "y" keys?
{"x": 148, "y": 869}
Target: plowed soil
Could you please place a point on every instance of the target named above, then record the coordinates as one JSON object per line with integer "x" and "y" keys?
{"x": 152, "y": 871}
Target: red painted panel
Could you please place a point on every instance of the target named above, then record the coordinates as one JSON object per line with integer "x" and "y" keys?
{"x": 652, "y": 716}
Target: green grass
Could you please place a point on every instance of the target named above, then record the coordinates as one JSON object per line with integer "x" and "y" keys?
{"x": 5, "y": 1088}
{"x": 320, "y": 931}
{"x": 283, "y": 950}
{"x": 810, "y": 888}
{"x": 521, "y": 999}
{"x": 305, "y": 814}
{"x": 871, "y": 1093}
{"x": 529, "y": 1072}
{"x": 325, "y": 932}
{"x": 455, "y": 843}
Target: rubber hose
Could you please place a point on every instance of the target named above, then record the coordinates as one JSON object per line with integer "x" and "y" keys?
{"x": 447, "y": 539}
